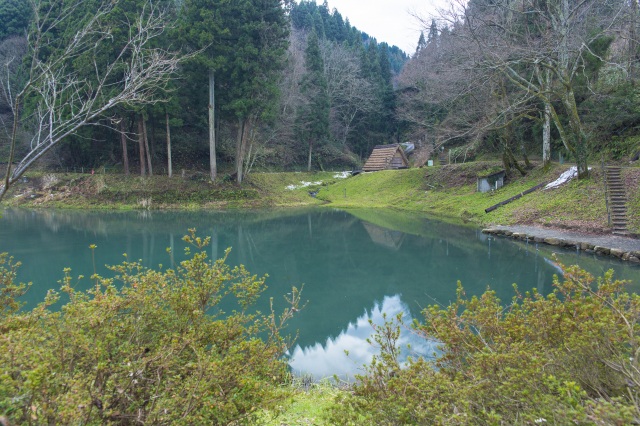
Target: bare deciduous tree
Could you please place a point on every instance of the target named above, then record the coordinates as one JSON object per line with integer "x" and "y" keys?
{"x": 540, "y": 47}
{"x": 61, "y": 100}
{"x": 350, "y": 95}
{"x": 505, "y": 60}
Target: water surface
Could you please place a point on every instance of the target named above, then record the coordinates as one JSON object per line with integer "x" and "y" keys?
{"x": 354, "y": 265}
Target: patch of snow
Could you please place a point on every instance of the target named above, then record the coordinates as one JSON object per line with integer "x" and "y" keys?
{"x": 341, "y": 175}
{"x": 303, "y": 184}
{"x": 564, "y": 178}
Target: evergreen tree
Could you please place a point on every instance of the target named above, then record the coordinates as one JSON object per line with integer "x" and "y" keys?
{"x": 313, "y": 119}
{"x": 302, "y": 15}
{"x": 318, "y": 24}
{"x": 258, "y": 41}
{"x": 432, "y": 39}
{"x": 422, "y": 43}
{"x": 340, "y": 28}
{"x": 14, "y": 17}
{"x": 203, "y": 29}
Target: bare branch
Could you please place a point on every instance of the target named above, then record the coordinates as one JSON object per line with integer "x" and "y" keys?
{"x": 65, "y": 101}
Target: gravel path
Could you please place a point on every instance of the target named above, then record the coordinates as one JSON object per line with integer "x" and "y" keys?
{"x": 610, "y": 241}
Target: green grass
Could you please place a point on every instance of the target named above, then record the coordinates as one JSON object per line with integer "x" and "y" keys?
{"x": 273, "y": 187}
{"x": 450, "y": 192}
{"x": 309, "y": 405}
{"x": 389, "y": 188}
{"x": 445, "y": 192}
{"x": 109, "y": 191}
{"x": 632, "y": 180}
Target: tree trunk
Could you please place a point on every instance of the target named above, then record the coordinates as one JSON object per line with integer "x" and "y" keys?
{"x": 309, "y": 160}
{"x": 546, "y": 136}
{"x": 577, "y": 133}
{"x": 146, "y": 145}
{"x": 525, "y": 157}
{"x": 577, "y": 144}
{"x": 125, "y": 153}
{"x": 633, "y": 42}
{"x": 240, "y": 142}
{"x": 250, "y": 155}
{"x": 169, "y": 165}
{"x": 546, "y": 130}
{"x": 12, "y": 149}
{"x": 143, "y": 162}
{"x": 509, "y": 159}
{"x": 505, "y": 162}
{"x": 212, "y": 128}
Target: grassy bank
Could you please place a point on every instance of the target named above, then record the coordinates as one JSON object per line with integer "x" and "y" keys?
{"x": 195, "y": 191}
{"x": 450, "y": 192}
{"x": 447, "y": 192}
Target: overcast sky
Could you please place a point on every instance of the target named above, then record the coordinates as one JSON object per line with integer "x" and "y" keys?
{"x": 387, "y": 20}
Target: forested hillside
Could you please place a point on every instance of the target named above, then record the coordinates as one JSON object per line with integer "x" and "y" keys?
{"x": 267, "y": 84}
{"x": 230, "y": 87}
{"x": 556, "y": 79}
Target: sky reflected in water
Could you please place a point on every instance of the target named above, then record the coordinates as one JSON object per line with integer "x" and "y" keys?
{"x": 345, "y": 355}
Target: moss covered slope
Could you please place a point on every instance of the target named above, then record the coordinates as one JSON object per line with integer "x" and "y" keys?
{"x": 447, "y": 192}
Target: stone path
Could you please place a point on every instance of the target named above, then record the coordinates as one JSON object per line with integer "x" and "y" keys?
{"x": 626, "y": 248}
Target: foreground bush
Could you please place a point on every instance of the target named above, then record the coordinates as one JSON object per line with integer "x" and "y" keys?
{"x": 146, "y": 347}
{"x": 568, "y": 358}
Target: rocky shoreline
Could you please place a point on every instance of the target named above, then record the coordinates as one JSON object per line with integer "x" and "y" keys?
{"x": 624, "y": 248}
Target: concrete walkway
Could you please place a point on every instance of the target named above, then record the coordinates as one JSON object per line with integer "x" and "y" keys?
{"x": 625, "y": 248}
{"x": 610, "y": 241}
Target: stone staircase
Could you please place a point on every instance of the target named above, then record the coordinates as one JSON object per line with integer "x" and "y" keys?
{"x": 443, "y": 157}
{"x": 617, "y": 200}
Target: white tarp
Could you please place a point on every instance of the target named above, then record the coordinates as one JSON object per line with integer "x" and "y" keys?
{"x": 564, "y": 178}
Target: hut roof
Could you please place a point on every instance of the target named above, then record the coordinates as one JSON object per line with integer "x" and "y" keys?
{"x": 384, "y": 237}
{"x": 381, "y": 157}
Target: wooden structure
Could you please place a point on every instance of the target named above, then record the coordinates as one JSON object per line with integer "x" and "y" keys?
{"x": 386, "y": 157}
{"x": 492, "y": 181}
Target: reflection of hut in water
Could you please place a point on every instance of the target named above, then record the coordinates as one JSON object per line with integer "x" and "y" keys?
{"x": 491, "y": 181}
{"x": 383, "y": 236}
{"x": 386, "y": 157}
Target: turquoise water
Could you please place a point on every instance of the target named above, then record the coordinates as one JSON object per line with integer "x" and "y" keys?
{"x": 353, "y": 266}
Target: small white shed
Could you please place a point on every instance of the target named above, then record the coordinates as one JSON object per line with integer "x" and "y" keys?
{"x": 491, "y": 182}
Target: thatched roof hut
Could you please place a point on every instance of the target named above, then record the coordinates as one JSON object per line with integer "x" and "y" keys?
{"x": 386, "y": 157}
{"x": 384, "y": 237}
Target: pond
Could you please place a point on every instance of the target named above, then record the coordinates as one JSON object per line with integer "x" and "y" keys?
{"x": 355, "y": 265}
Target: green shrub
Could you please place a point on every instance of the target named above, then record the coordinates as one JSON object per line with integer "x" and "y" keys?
{"x": 10, "y": 291}
{"x": 147, "y": 347}
{"x": 568, "y": 358}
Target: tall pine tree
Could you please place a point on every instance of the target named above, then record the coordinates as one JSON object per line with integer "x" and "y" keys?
{"x": 313, "y": 118}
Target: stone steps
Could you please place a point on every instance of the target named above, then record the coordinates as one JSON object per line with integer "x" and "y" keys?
{"x": 443, "y": 158}
{"x": 617, "y": 200}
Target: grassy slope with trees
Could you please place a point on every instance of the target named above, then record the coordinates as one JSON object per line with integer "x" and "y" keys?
{"x": 447, "y": 192}
{"x": 491, "y": 77}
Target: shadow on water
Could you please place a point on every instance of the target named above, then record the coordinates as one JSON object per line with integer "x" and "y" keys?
{"x": 354, "y": 265}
